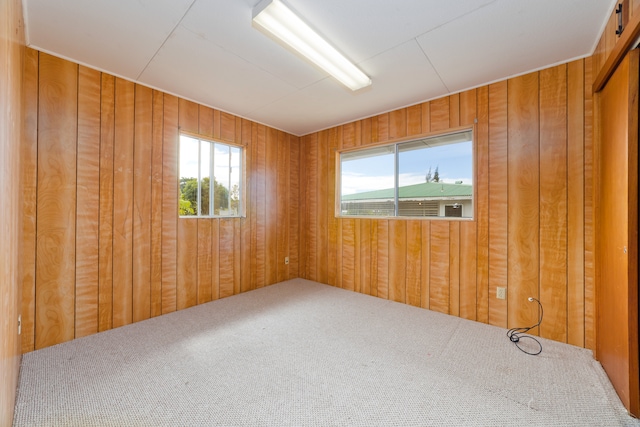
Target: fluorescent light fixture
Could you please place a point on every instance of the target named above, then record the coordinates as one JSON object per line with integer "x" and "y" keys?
{"x": 278, "y": 20}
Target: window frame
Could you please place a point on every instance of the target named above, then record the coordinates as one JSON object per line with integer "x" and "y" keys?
{"x": 242, "y": 204}
{"x": 394, "y": 143}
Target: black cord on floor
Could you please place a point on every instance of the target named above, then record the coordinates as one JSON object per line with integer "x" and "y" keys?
{"x": 516, "y": 334}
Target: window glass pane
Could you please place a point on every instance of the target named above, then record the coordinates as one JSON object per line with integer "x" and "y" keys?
{"x": 221, "y": 157}
{"x": 210, "y": 178}
{"x": 235, "y": 183}
{"x": 367, "y": 182}
{"x": 434, "y": 178}
{"x": 436, "y": 174}
{"x": 188, "y": 201}
{"x": 205, "y": 178}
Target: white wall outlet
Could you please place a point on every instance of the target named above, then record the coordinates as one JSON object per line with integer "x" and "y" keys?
{"x": 501, "y": 292}
{"x": 286, "y": 260}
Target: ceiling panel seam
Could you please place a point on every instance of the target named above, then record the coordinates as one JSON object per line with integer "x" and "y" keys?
{"x": 165, "y": 40}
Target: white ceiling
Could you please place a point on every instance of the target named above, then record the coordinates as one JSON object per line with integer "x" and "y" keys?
{"x": 413, "y": 50}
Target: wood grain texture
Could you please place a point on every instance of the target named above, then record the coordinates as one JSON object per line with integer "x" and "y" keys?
{"x": 439, "y": 267}
{"x": 13, "y": 117}
{"x": 349, "y": 253}
{"x": 56, "y": 210}
{"x": 282, "y": 207}
{"x": 482, "y": 205}
{"x": 204, "y": 256}
{"x": 575, "y": 200}
{"x": 29, "y": 178}
{"x": 425, "y": 284}
{"x": 523, "y": 207}
{"x": 498, "y": 201}
{"x": 156, "y": 205}
{"x": 382, "y": 260}
{"x": 169, "y": 202}
{"x": 439, "y": 114}
{"x": 245, "y": 280}
{"x": 398, "y": 260}
{"x": 617, "y": 233}
{"x": 187, "y": 264}
{"x": 142, "y": 161}
{"x": 334, "y": 259}
{"x": 227, "y": 251}
{"x": 87, "y": 202}
{"x": 414, "y": 259}
{"x": 293, "y": 218}
{"x": 323, "y": 210}
{"x": 105, "y": 252}
{"x": 123, "y": 204}
{"x": 454, "y": 268}
{"x": 589, "y": 223}
{"x": 146, "y": 260}
{"x": 553, "y": 201}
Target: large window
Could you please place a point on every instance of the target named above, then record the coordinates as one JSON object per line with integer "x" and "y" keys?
{"x": 210, "y": 178}
{"x": 426, "y": 177}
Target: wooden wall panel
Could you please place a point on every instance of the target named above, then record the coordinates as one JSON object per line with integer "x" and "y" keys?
{"x": 169, "y": 202}
{"x": 282, "y": 207}
{"x": 142, "y": 160}
{"x": 227, "y": 253}
{"x": 589, "y": 225}
{"x": 293, "y": 219}
{"x": 204, "y": 265}
{"x": 553, "y": 201}
{"x": 55, "y": 258}
{"x": 439, "y": 267}
{"x": 398, "y": 260}
{"x": 187, "y": 264}
{"x": 87, "y": 202}
{"x": 498, "y": 201}
{"x": 122, "y": 203}
{"x": 575, "y": 201}
{"x": 414, "y": 258}
{"x": 524, "y": 200}
{"x": 482, "y": 206}
{"x": 245, "y": 271}
{"x": 531, "y": 164}
{"x": 12, "y": 277}
{"x": 102, "y": 153}
{"x": 29, "y": 177}
{"x": 156, "y": 205}
{"x": 105, "y": 251}
{"x": 271, "y": 211}
{"x": 454, "y": 268}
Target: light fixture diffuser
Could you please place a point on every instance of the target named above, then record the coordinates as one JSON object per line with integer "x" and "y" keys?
{"x": 279, "y": 21}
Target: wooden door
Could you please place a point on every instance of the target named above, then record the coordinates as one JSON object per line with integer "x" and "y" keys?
{"x": 617, "y": 231}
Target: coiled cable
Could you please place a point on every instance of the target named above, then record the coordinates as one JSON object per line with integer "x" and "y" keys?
{"x": 516, "y": 335}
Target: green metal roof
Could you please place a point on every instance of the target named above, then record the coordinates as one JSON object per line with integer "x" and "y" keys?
{"x": 416, "y": 191}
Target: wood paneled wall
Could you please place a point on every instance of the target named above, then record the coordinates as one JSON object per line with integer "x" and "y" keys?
{"x": 533, "y": 226}
{"x": 11, "y": 54}
{"x": 104, "y": 246}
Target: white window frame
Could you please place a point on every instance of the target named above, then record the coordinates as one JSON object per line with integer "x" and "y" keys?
{"x": 392, "y": 147}
{"x": 241, "y": 213}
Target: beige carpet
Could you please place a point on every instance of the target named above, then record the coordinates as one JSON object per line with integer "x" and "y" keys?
{"x": 305, "y": 354}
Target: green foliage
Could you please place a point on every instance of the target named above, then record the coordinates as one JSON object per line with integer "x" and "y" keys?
{"x": 189, "y": 193}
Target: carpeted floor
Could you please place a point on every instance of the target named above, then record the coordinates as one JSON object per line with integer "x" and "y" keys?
{"x": 306, "y": 354}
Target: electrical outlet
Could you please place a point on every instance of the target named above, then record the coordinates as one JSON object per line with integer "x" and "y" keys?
{"x": 501, "y": 292}
{"x": 19, "y": 324}
{"x": 286, "y": 260}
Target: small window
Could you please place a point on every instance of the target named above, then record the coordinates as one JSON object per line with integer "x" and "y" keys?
{"x": 427, "y": 177}
{"x": 203, "y": 162}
